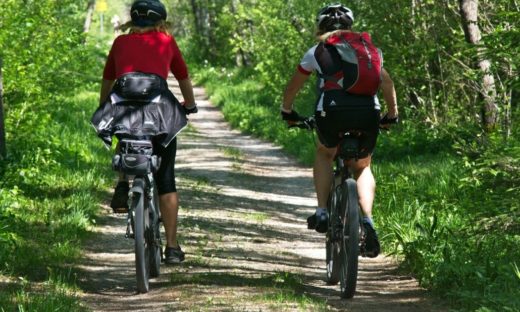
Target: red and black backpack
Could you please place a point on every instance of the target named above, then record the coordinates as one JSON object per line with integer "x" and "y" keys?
{"x": 350, "y": 61}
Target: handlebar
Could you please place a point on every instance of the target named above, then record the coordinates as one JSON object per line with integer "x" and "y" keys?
{"x": 309, "y": 123}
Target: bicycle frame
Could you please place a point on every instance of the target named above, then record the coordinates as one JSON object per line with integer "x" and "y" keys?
{"x": 340, "y": 173}
{"x": 345, "y": 234}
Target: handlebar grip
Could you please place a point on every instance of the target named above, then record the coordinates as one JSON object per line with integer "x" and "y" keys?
{"x": 388, "y": 121}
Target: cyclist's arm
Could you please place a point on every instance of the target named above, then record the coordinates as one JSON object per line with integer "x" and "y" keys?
{"x": 387, "y": 86}
{"x": 106, "y": 87}
{"x": 187, "y": 92}
{"x": 293, "y": 87}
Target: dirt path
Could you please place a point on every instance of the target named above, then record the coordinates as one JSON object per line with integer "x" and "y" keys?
{"x": 242, "y": 225}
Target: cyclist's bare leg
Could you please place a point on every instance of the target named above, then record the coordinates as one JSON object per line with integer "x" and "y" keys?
{"x": 169, "y": 204}
{"x": 366, "y": 183}
{"x": 323, "y": 173}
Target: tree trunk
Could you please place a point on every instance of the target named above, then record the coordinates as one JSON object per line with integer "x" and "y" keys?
{"x": 203, "y": 26}
{"x": 469, "y": 14}
{"x": 3, "y": 150}
{"x": 196, "y": 16}
{"x": 88, "y": 18}
{"x": 241, "y": 58}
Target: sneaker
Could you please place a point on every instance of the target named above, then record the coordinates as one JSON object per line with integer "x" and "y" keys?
{"x": 173, "y": 255}
{"x": 119, "y": 201}
{"x": 372, "y": 247}
{"x": 320, "y": 222}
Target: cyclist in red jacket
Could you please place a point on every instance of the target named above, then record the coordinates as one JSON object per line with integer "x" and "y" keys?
{"x": 149, "y": 48}
{"x": 338, "y": 110}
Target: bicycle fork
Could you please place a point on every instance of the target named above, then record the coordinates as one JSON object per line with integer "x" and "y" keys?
{"x": 137, "y": 188}
{"x": 129, "y": 218}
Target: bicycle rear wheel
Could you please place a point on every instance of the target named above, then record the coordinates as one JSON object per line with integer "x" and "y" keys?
{"x": 154, "y": 237}
{"x": 142, "y": 263}
{"x": 350, "y": 239}
{"x": 333, "y": 259}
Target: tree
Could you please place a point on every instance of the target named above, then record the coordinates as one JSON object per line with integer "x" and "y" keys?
{"x": 88, "y": 18}
{"x": 469, "y": 14}
{"x": 2, "y": 128}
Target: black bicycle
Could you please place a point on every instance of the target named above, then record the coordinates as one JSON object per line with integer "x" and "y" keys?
{"x": 345, "y": 234}
{"x": 136, "y": 158}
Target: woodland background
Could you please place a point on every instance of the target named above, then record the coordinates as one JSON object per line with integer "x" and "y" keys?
{"x": 448, "y": 203}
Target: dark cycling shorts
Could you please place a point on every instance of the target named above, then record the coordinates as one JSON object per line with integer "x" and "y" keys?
{"x": 330, "y": 127}
{"x": 165, "y": 176}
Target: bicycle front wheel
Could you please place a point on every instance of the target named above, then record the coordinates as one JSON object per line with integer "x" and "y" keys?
{"x": 154, "y": 236}
{"x": 350, "y": 239}
{"x": 333, "y": 260}
{"x": 142, "y": 264}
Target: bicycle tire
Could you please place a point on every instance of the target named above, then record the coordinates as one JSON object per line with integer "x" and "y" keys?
{"x": 333, "y": 260}
{"x": 155, "y": 237}
{"x": 350, "y": 239}
{"x": 142, "y": 263}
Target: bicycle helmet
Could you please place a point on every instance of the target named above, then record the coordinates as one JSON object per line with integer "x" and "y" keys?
{"x": 333, "y": 17}
{"x": 147, "y": 12}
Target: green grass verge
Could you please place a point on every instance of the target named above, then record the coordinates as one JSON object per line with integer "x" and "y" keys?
{"x": 52, "y": 182}
{"x": 446, "y": 206}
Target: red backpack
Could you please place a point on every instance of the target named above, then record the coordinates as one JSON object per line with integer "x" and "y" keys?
{"x": 361, "y": 63}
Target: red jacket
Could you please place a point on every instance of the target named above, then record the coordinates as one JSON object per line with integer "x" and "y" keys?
{"x": 151, "y": 52}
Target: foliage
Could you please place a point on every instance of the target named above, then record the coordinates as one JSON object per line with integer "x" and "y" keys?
{"x": 54, "y": 173}
{"x": 53, "y": 295}
{"x": 423, "y": 44}
{"x": 449, "y": 210}
{"x": 448, "y": 192}
{"x": 248, "y": 108}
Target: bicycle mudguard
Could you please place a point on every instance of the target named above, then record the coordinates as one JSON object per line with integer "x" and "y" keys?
{"x": 138, "y": 186}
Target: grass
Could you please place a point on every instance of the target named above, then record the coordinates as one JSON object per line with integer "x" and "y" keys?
{"x": 256, "y": 217}
{"x": 279, "y": 290}
{"x": 446, "y": 205}
{"x": 52, "y": 184}
{"x": 55, "y": 294}
{"x": 236, "y": 156}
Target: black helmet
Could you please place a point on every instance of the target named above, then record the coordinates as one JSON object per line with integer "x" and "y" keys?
{"x": 334, "y": 16}
{"x": 147, "y": 12}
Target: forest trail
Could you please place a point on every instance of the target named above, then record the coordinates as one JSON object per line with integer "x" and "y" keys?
{"x": 242, "y": 225}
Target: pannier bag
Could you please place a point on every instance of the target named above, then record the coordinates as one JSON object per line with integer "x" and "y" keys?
{"x": 139, "y": 86}
{"x": 136, "y": 158}
{"x": 361, "y": 63}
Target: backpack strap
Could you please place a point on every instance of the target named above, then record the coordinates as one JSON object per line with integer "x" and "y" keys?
{"x": 332, "y": 80}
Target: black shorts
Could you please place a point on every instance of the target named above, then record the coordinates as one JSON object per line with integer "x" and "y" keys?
{"x": 165, "y": 176}
{"x": 365, "y": 120}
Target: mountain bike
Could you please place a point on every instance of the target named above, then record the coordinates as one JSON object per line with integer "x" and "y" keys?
{"x": 345, "y": 234}
{"x": 136, "y": 158}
